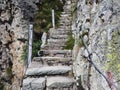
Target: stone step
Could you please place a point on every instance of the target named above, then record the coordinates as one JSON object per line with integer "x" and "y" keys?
{"x": 55, "y": 45}
{"x": 61, "y": 83}
{"x": 49, "y": 83}
{"x": 62, "y": 29}
{"x": 59, "y": 32}
{"x": 65, "y": 17}
{"x": 52, "y": 61}
{"x": 34, "y": 84}
{"x": 66, "y": 53}
{"x": 48, "y": 70}
{"x": 48, "y": 47}
{"x": 64, "y": 14}
{"x": 56, "y": 41}
{"x": 65, "y": 27}
{"x": 62, "y": 23}
{"x": 60, "y": 36}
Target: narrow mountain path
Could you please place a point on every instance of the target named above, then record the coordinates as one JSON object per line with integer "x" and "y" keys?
{"x": 52, "y": 70}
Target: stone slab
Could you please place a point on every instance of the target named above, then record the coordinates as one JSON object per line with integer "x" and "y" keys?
{"x": 34, "y": 84}
{"x": 60, "y": 82}
{"x": 48, "y": 70}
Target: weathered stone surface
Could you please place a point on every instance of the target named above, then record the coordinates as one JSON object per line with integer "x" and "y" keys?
{"x": 60, "y": 82}
{"x": 50, "y": 58}
{"x": 44, "y": 38}
{"x": 55, "y": 52}
{"x": 100, "y": 18}
{"x": 56, "y": 41}
{"x": 13, "y": 36}
{"x": 60, "y": 36}
{"x": 55, "y": 64}
{"x": 58, "y": 32}
{"x": 49, "y": 61}
{"x": 34, "y": 84}
{"x": 48, "y": 70}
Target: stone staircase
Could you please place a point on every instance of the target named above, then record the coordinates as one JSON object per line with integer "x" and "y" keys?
{"x": 52, "y": 70}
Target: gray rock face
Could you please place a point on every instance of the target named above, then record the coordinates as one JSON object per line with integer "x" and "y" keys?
{"x": 34, "y": 84}
{"x": 101, "y": 19}
{"x": 28, "y": 8}
{"x": 13, "y": 36}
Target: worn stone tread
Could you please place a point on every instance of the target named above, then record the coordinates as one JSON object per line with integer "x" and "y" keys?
{"x": 60, "y": 53}
{"x": 55, "y": 51}
{"x": 34, "y": 84}
{"x": 49, "y": 58}
{"x": 60, "y": 82}
{"x": 64, "y": 37}
{"x": 48, "y": 70}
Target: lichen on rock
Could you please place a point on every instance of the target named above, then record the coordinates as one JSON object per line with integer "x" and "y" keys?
{"x": 101, "y": 19}
{"x": 13, "y": 29}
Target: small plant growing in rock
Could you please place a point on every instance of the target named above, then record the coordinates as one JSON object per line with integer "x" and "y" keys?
{"x": 9, "y": 71}
{"x": 70, "y": 42}
{"x": 25, "y": 53}
{"x": 36, "y": 47}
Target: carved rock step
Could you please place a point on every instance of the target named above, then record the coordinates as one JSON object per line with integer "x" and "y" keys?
{"x": 60, "y": 36}
{"x": 50, "y": 61}
{"x": 56, "y": 41}
{"x": 65, "y": 27}
{"x": 49, "y": 83}
{"x": 63, "y": 23}
{"x": 61, "y": 83}
{"x": 65, "y": 15}
{"x": 56, "y": 47}
{"x": 48, "y": 70}
{"x": 66, "y": 21}
{"x": 60, "y": 32}
{"x": 34, "y": 84}
{"x": 62, "y": 29}
{"x": 66, "y": 53}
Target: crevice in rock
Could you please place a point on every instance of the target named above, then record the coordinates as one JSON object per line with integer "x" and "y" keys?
{"x": 22, "y": 40}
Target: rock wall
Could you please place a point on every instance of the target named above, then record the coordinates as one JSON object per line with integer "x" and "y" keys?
{"x": 96, "y": 29}
{"x": 14, "y": 20}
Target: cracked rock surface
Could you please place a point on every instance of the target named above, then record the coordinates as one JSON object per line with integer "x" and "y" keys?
{"x": 97, "y": 23}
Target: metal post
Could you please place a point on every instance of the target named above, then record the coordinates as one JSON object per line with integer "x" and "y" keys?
{"x": 53, "y": 18}
{"x": 30, "y": 44}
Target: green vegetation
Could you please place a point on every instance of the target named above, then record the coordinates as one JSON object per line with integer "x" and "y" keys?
{"x": 36, "y": 47}
{"x": 25, "y": 53}
{"x": 70, "y": 42}
{"x": 74, "y": 10}
{"x": 1, "y": 86}
{"x": 43, "y": 19}
{"x": 9, "y": 71}
{"x": 79, "y": 42}
{"x": 114, "y": 54}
